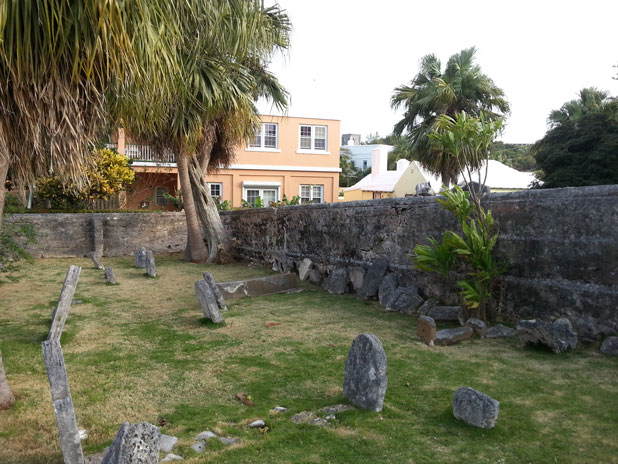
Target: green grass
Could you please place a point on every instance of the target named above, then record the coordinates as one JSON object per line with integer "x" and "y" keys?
{"x": 141, "y": 350}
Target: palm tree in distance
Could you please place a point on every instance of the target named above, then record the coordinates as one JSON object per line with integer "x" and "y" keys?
{"x": 433, "y": 92}
{"x": 591, "y": 100}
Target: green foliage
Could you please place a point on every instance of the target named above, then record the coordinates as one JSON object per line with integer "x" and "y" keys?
{"x": 350, "y": 174}
{"x": 517, "y": 156}
{"x": 579, "y": 153}
{"x": 176, "y": 200}
{"x": 470, "y": 253}
{"x": 258, "y": 203}
{"x": 12, "y": 204}
{"x": 285, "y": 202}
{"x": 13, "y": 239}
{"x": 225, "y": 205}
{"x": 591, "y": 101}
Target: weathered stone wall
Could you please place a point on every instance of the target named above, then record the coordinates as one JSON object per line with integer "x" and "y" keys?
{"x": 561, "y": 245}
{"x": 111, "y": 234}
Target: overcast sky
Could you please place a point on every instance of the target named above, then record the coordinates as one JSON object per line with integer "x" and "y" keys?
{"x": 347, "y": 56}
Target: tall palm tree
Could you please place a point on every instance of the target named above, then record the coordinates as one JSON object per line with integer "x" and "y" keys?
{"x": 591, "y": 100}
{"x": 223, "y": 51}
{"x": 461, "y": 86}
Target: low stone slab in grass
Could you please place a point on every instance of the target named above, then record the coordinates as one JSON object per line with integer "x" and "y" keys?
{"x": 137, "y": 443}
{"x": 500, "y": 331}
{"x": 259, "y": 286}
{"x": 557, "y": 336}
{"x": 365, "y": 378}
{"x": 610, "y": 346}
{"x": 475, "y": 408}
{"x": 451, "y": 336}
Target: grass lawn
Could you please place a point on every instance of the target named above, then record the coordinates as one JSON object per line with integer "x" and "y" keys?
{"x": 141, "y": 351}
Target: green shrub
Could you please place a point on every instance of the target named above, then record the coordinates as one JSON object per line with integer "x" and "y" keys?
{"x": 13, "y": 239}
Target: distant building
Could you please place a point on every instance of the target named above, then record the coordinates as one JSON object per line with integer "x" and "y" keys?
{"x": 350, "y": 139}
{"x": 361, "y": 154}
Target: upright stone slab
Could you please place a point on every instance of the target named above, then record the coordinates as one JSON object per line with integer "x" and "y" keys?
{"x": 373, "y": 278}
{"x": 475, "y": 408}
{"x": 405, "y": 300}
{"x": 304, "y": 267}
{"x": 608, "y": 347}
{"x": 208, "y": 301}
{"x": 151, "y": 270}
{"x": 365, "y": 378}
{"x": 210, "y": 280}
{"x": 426, "y": 330}
{"x": 337, "y": 281}
{"x": 6, "y": 395}
{"x": 96, "y": 260}
{"x": 357, "y": 276}
{"x": 386, "y": 290}
{"x": 109, "y": 275}
{"x": 140, "y": 257}
{"x": 134, "y": 444}
{"x": 70, "y": 441}
{"x": 63, "y": 307}
{"x": 97, "y": 236}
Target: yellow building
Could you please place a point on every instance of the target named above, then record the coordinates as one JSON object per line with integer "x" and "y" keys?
{"x": 287, "y": 156}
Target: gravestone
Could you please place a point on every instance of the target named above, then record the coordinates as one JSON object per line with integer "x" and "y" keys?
{"x": 452, "y": 336}
{"x": 558, "y": 336}
{"x": 210, "y": 280}
{"x": 109, "y": 275}
{"x": 70, "y": 441}
{"x": 151, "y": 270}
{"x": 365, "y": 378}
{"x": 475, "y": 408}
{"x": 6, "y": 395}
{"x": 357, "y": 276}
{"x": 304, "y": 267}
{"x": 608, "y": 347}
{"x": 405, "y": 300}
{"x": 208, "y": 301}
{"x": 140, "y": 257}
{"x": 137, "y": 443}
{"x": 337, "y": 281}
{"x": 387, "y": 289}
{"x": 479, "y": 327}
{"x": 96, "y": 260}
{"x": 426, "y": 329}
{"x": 61, "y": 312}
{"x": 500, "y": 331}
{"x": 373, "y": 278}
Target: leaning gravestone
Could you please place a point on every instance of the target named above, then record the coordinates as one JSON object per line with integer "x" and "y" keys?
{"x": 405, "y": 300}
{"x": 96, "y": 260}
{"x": 373, "y": 278}
{"x": 475, "y": 408}
{"x": 134, "y": 444}
{"x": 365, "y": 378}
{"x": 61, "y": 312}
{"x": 140, "y": 257}
{"x": 70, "y": 441}
{"x": 151, "y": 270}
{"x": 109, "y": 275}
{"x": 208, "y": 301}
{"x": 210, "y": 280}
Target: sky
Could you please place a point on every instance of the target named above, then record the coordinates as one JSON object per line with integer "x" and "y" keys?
{"x": 347, "y": 56}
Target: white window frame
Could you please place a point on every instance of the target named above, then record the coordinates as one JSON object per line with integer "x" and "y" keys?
{"x": 261, "y": 187}
{"x": 220, "y": 185}
{"x": 312, "y": 196}
{"x": 313, "y": 150}
{"x": 251, "y": 146}
{"x": 162, "y": 197}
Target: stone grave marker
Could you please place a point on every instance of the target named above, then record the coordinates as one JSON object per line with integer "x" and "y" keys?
{"x": 208, "y": 301}
{"x": 151, "y": 270}
{"x": 475, "y": 408}
{"x": 63, "y": 307}
{"x": 140, "y": 257}
{"x": 96, "y": 260}
{"x": 70, "y": 441}
{"x": 213, "y": 286}
{"x": 373, "y": 278}
{"x": 109, "y": 275}
{"x": 304, "y": 267}
{"x": 337, "y": 281}
{"x": 426, "y": 329}
{"x": 137, "y": 443}
{"x": 558, "y": 336}
{"x": 452, "y": 336}
{"x": 365, "y": 378}
{"x": 7, "y": 399}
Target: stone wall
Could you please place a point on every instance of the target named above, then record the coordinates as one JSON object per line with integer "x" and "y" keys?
{"x": 561, "y": 245}
{"x": 110, "y": 234}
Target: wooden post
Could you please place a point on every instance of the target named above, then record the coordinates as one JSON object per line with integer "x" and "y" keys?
{"x": 61, "y": 312}
{"x": 70, "y": 442}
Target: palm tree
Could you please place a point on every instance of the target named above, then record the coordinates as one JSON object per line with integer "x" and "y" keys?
{"x": 460, "y": 87}
{"x": 223, "y": 50}
{"x": 591, "y": 100}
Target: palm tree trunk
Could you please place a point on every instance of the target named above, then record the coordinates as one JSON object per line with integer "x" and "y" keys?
{"x": 4, "y": 168}
{"x": 6, "y": 395}
{"x": 196, "y": 250}
{"x": 219, "y": 243}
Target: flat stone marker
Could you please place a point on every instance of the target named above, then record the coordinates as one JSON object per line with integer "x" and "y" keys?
{"x": 109, "y": 275}
{"x": 61, "y": 312}
{"x": 208, "y": 301}
{"x": 167, "y": 443}
{"x": 259, "y": 286}
{"x": 213, "y": 286}
{"x": 96, "y": 260}
{"x": 475, "y": 408}
{"x": 365, "y": 378}
{"x": 426, "y": 329}
{"x": 452, "y": 336}
{"x": 500, "y": 331}
{"x": 70, "y": 440}
{"x": 134, "y": 444}
{"x": 151, "y": 270}
{"x": 140, "y": 257}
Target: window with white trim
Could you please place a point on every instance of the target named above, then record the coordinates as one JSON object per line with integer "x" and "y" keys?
{"x": 266, "y": 194}
{"x": 160, "y": 198}
{"x": 313, "y": 138}
{"x": 216, "y": 189}
{"x": 266, "y": 136}
{"x": 311, "y": 194}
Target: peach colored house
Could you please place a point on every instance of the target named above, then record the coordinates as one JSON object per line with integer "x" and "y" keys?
{"x": 288, "y": 156}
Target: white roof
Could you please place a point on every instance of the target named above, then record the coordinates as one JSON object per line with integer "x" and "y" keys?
{"x": 384, "y": 182}
{"x": 501, "y": 176}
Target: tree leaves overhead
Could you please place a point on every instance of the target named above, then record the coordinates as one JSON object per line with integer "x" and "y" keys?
{"x": 591, "y": 100}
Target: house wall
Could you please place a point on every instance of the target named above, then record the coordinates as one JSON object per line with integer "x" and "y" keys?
{"x": 143, "y": 189}
{"x": 408, "y": 181}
